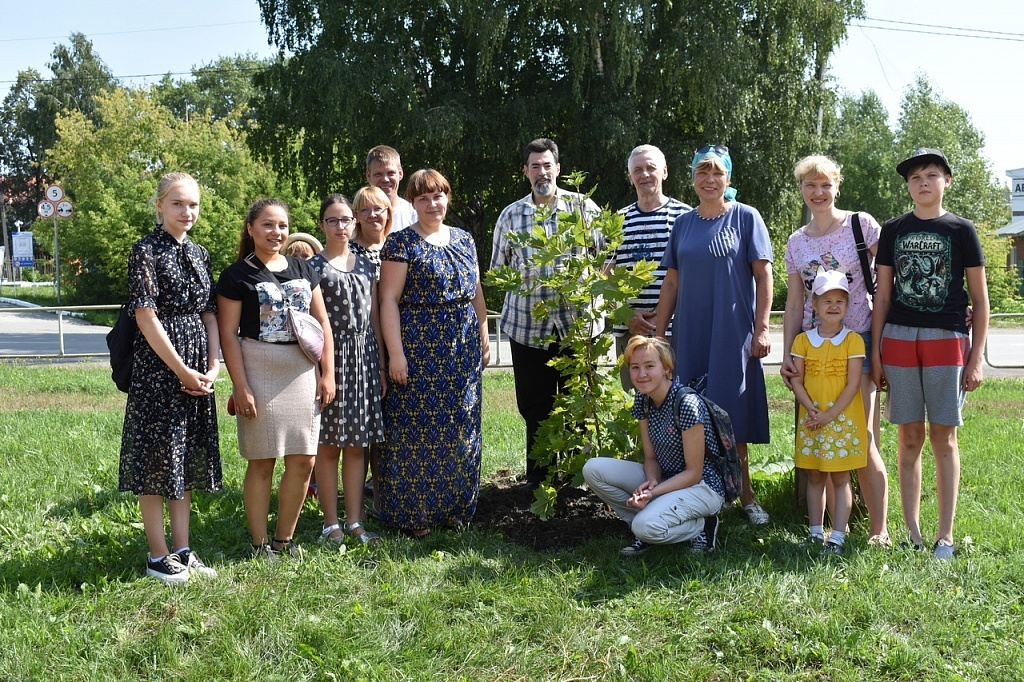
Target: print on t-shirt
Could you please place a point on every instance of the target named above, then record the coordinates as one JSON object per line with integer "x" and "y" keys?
{"x": 274, "y": 327}
{"x": 923, "y": 270}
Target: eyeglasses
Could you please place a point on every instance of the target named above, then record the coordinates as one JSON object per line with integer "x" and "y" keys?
{"x": 373, "y": 210}
{"x": 334, "y": 222}
{"x": 719, "y": 149}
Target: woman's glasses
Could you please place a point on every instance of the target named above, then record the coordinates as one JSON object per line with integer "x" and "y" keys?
{"x": 334, "y": 222}
{"x": 373, "y": 210}
{"x": 719, "y": 149}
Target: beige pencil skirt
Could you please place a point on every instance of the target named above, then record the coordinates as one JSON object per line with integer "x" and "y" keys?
{"x": 283, "y": 384}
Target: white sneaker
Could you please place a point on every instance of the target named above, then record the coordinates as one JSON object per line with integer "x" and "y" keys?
{"x": 194, "y": 564}
{"x": 167, "y": 569}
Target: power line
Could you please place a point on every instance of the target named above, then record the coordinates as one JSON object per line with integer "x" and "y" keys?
{"x": 948, "y": 31}
{"x": 951, "y": 28}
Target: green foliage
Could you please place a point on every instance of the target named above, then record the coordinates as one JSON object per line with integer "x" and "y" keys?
{"x": 869, "y": 152}
{"x": 222, "y": 88}
{"x": 110, "y": 168}
{"x": 461, "y": 86}
{"x": 591, "y": 418}
{"x": 28, "y": 119}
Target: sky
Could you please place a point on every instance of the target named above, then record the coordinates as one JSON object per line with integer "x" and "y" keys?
{"x": 142, "y": 40}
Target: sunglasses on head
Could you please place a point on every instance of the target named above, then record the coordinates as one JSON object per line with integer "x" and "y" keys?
{"x": 719, "y": 149}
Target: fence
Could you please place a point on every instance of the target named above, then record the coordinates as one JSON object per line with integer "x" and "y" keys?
{"x": 500, "y": 353}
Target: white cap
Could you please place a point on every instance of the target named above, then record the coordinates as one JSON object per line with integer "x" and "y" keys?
{"x": 829, "y": 280}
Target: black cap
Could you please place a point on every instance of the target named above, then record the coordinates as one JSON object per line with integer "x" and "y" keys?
{"x": 922, "y": 156}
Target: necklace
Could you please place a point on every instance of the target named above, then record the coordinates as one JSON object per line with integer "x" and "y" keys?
{"x": 828, "y": 230}
{"x": 715, "y": 217}
{"x": 830, "y": 336}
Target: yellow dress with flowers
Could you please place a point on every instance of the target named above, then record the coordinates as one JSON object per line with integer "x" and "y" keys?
{"x": 842, "y": 444}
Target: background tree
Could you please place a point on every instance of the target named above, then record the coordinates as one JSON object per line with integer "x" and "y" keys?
{"x": 29, "y": 114}
{"x": 110, "y": 168}
{"x": 462, "y": 86}
{"x": 222, "y": 87}
{"x": 869, "y": 151}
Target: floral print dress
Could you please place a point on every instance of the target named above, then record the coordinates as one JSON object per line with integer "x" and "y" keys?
{"x": 169, "y": 444}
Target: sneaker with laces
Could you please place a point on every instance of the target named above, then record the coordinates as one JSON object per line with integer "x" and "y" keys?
{"x": 166, "y": 569}
{"x": 756, "y": 514}
{"x": 833, "y": 548}
{"x": 195, "y": 565}
{"x": 635, "y": 548}
{"x": 705, "y": 542}
{"x": 943, "y": 551}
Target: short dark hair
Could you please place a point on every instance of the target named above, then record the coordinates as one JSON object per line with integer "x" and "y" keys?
{"x": 539, "y": 146}
{"x": 427, "y": 181}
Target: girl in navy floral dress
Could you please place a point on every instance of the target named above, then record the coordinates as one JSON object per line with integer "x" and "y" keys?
{"x": 169, "y": 443}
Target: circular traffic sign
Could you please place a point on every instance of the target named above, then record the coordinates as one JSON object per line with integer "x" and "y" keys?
{"x": 54, "y": 193}
{"x": 65, "y": 209}
{"x": 45, "y": 209}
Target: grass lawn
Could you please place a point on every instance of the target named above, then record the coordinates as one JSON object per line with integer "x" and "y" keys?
{"x": 467, "y": 605}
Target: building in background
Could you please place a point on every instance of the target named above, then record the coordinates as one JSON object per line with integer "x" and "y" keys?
{"x": 1015, "y": 230}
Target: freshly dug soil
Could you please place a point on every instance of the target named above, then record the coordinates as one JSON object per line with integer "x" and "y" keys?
{"x": 580, "y": 516}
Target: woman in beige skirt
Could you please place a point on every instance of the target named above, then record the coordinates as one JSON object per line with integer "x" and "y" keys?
{"x": 278, "y": 392}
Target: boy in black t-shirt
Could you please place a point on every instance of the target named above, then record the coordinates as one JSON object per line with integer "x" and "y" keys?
{"x": 922, "y": 348}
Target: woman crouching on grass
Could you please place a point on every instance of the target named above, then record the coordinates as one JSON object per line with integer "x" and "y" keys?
{"x": 675, "y": 495}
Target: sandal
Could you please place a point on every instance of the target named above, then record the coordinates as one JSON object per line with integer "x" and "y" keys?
{"x": 286, "y": 547}
{"x": 367, "y": 537}
{"x": 264, "y": 552}
{"x": 335, "y": 541}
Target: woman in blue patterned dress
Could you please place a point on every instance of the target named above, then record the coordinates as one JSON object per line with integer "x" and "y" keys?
{"x": 434, "y": 324}
{"x": 723, "y": 251}
{"x": 169, "y": 445}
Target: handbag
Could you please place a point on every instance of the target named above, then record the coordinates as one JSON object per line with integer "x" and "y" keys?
{"x": 308, "y": 333}
{"x": 862, "y": 253}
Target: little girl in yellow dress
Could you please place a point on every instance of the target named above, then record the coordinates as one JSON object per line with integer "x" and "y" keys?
{"x": 831, "y": 436}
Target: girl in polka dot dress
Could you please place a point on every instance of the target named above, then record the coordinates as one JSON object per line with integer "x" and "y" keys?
{"x": 831, "y": 436}
{"x": 353, "y": 421}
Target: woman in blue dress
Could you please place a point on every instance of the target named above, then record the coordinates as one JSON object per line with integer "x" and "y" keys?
{"x": 434, "y": 324}
{"x": 719, "y": 285}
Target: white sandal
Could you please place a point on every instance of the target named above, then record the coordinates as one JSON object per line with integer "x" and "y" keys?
{"x": 367, "y": 537}
{"x": 326, "y": 539}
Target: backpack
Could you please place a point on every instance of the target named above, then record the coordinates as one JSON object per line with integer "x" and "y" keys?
{"x": 121, "y": 344}
{"x": 727, "y": 461}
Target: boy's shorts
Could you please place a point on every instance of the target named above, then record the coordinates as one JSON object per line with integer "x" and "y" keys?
{"x": 924, "y": 368}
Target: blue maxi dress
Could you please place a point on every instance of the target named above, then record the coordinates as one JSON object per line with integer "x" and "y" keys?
{"x": 428, "y": 468}
{"x": 714, "y": 314}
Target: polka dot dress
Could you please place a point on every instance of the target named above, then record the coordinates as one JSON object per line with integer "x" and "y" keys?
{"x": 354, "y": 417}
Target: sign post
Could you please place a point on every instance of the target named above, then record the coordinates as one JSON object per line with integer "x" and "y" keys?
{"x": 55, "y": 206}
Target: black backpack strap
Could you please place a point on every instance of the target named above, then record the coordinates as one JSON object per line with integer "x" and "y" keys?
{"x": 862, "y": 252}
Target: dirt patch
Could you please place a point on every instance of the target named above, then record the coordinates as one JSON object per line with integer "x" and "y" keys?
{"x": 580, "y": 516}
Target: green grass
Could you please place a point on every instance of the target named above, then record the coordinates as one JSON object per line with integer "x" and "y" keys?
{"x": 466, "y": 605}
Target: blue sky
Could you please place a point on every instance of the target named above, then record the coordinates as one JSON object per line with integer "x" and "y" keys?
{"x": 140, "y": 38}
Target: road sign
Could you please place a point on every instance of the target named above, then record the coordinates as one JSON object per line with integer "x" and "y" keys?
{"x": 46, "y": 209}
{"x": 55, "y": 193}
{"x": 65, "y": 209}
{"x": 21, "y": 249}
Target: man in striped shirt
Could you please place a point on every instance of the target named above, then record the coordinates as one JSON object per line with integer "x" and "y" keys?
{"x": 646, "y": 228}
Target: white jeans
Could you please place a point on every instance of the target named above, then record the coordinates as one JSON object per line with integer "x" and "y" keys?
{"x": 673, "y": 517}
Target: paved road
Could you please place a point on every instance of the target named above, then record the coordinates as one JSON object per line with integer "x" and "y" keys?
{"x": 26, "y": 334}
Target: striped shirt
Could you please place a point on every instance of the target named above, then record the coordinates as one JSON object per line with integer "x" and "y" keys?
{"x": 644, "y": 237}
{"x": 517, "y": 318}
